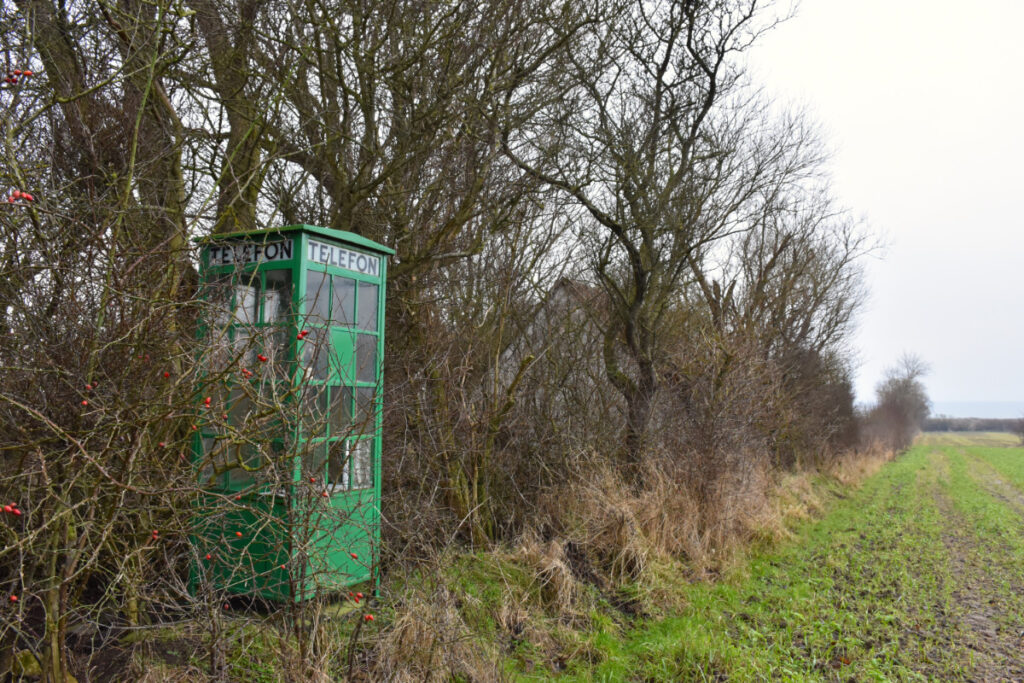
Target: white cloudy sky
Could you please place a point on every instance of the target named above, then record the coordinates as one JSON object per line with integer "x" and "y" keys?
{"x": 923, "y": 102}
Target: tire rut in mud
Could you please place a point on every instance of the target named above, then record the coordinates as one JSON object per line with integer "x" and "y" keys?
{"x": 981, "y": 601}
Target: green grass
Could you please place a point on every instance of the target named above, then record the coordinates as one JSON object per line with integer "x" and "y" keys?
{"x": 872, "y": 591}
{"x": 863, "y": 594}
{"x": 1009, "y": 462}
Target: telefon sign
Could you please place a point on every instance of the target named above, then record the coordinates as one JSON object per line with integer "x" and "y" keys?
{"x": 331, "y": 255}
{"x": 249, "y": 252}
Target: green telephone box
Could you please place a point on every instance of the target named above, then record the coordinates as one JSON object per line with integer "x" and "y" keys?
{"x": 287, "y": 442}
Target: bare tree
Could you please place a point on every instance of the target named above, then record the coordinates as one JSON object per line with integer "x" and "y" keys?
{"x": 647, "y": 136}
{"x": 902, "y": 403}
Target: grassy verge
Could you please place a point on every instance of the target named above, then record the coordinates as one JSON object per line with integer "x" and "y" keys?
{"x": 853, "y": 595}
{"x": 915, "y": 574}
{"x": 878, "y": 589}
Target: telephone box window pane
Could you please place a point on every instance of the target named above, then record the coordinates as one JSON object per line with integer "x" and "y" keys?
{"x": 277, "y": 297}
{"x": 366, "y": 358}
{"x": 275, "y": 466}
{"x": 314, "y": 410}
{"x": 270, "y": 410}
{"x": 217, "y": 294}
{"x": 365, "y": 423}
{"x": 241, "y": 407}
{"x": 341, "y": 410}
{"x": 343, "y": 310}
{"x": 362, "y": 464}
{"x": 337, "y": 464}
{"x": 242, "y": 454}
{"x": 368, "y": 306}
{"x": 314, "y": 354}
{"x": 318, "y": 297}
{"x": 242, "y": 345}
{"x": 206, "y": 462}
{"x": 246, "y": 301}
{"x": 314, "y": 459}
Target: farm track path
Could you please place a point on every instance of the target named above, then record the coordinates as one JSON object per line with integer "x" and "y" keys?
{"x": 978, "y": 594}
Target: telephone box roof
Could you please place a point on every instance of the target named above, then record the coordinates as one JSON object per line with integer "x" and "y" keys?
{"x": 340, "y": 235}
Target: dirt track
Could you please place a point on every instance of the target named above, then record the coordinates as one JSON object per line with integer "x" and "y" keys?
{"x": 983, "y": 596}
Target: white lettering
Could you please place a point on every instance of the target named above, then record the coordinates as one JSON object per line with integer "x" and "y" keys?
{"x": 331, "y": 255}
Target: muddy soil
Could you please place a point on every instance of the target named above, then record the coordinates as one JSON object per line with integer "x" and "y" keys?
{"x": 979, "y": 598}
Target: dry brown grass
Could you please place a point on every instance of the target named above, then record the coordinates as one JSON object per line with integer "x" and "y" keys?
{"x": 851, "y": 469}
{"x": 429, "y": 640}
{"x": 623, "y": 532}
{"x": 557, "y": 584}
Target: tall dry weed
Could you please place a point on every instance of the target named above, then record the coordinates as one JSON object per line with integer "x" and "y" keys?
{"x": 557, "y": 584}
{"x": 429, "y": 640}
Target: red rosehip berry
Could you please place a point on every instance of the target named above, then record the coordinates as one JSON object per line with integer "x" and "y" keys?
{"x": 162, "y": 444}
{"x": 16, "y": 72}
{"x": 84, "y": 402}
{"x": 14, "y": 598}
{"x": 368, "y": 617}
{"x": 354, "y": 556}
{"x": 238, "y": 533}
{"x": 359, "y": 595}
{"x": 8, "y": 508}
{"x": 166, "y": 375}
{"x": 227, "y": 606}
{"x": 17, "y": 512}
{"x": 325, "y": 494}
{"x": 262, "y": 358}
{"x": 26, "y": 73}
{"x": 26, "y": 196}
{"x": 209, "y": 556}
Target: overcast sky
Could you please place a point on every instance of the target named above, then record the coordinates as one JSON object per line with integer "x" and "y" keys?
{"x": 923, "y": 103}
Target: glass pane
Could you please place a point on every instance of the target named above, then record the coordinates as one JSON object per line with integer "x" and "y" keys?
{"x": 313, "y": 460}
{"x": 270, "y": 406}
{"x": 217, "y": 295}
{"x": 276, "y": 467}
{"x": 241, "y": 407}
{"x": 343, "y": 310}
{"x": 240, "y": 454}
{"x": 318, "y": 297}
{"x": 366, "y": 358}
{"x": 314, "y": 410}
{"x": 337, "y": 464}
{"x": 341, "y": 410}
{"x": 277, "y": 297}
{"x": 206, "y": 461}
{"x": 368, "y": 306}
{"x": 246, "y": 300}
{"x": 314, "y": 354}
{"x": 365, "y": 423}
{"x": 242, "y": 346}
{"x": 362, "y": 464}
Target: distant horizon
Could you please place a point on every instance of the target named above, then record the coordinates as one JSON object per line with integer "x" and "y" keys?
{"x": 981, "y": 409}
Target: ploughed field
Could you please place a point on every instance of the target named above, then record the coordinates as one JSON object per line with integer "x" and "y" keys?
{"x": 917, "y": 575}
